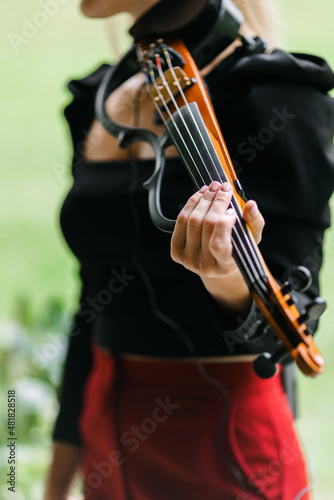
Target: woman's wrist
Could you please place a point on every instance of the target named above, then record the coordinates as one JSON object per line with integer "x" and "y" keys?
{"x": 230, "y": 292}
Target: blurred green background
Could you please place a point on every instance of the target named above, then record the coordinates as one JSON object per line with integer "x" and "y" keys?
{"x": 39, "y": 286}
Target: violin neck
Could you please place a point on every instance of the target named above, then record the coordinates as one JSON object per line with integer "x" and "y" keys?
{"x": 195, "y": 145}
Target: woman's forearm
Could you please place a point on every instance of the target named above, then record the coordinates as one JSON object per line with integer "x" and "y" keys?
{"x": 230, "y": 292}
{"x": 65, "y": 462}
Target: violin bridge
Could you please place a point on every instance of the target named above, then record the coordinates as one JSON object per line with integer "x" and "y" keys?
{"x": 175, "y": 81}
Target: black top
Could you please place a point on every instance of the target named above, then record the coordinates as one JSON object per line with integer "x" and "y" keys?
{"x": 277, "y": 121}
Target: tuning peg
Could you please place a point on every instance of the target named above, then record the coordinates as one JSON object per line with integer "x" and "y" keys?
{"x": 265, "y": 365}
{"x": 298, "y": 278}
{"x": 286, "y": 288}
{"x": 313, "y": 310}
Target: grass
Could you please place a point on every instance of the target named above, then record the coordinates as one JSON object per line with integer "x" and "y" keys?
{"x": 39, "y": 287}
{"x": 310, "y": 30}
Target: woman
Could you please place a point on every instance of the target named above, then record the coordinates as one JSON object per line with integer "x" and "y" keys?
{"x": 159, "y": 399}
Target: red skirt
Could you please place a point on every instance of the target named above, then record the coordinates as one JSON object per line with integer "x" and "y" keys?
{"x": 164, "y": 431}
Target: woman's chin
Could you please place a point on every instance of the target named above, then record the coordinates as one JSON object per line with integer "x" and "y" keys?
{"x": 96, "y": 8}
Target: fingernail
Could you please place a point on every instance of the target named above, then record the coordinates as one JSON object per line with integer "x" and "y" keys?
{"x": 214, "y": 186}
{"x": 230, "y": 211}
{"x": 226, "y": 186}
{"x": 318, "y": 359}
{"x": 203, "y": 189}
{"x": 254, "y": 210}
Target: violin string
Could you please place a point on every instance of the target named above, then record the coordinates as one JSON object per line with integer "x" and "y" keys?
{"x": 222, "y": 422}
{"x": 160, "y": 96}
{"x": 185, "y": 100}
{"x": 240, "y": 251}
{"x": 248, "y": 243}
{"x": 173, "y": 100}
{"x": 239, "y": 246}
{"x": 171, "y": 95}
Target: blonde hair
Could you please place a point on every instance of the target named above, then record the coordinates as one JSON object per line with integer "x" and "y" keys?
{"x": 261, "y": 18}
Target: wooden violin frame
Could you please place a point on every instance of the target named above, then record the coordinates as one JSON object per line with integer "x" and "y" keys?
{"x": 178, "y": 93}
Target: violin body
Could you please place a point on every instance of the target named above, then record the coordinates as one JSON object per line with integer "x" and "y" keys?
{"x": 177, "y": 91}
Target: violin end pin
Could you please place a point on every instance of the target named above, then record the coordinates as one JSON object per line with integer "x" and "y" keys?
{"x": 264, "y": 367}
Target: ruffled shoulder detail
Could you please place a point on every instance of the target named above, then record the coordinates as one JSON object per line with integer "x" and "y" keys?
{"x": 85, "y": 86}
{"x": 244, "y": 69}
{"x": 80, "y": 112}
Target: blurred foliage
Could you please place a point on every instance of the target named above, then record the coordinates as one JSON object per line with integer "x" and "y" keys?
{"x": 39, "y": 285}
{"x": 31, "y": 354}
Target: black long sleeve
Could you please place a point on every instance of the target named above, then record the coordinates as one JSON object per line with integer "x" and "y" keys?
{"x": 278, "y": 122}
{"x": 76, "y": 370}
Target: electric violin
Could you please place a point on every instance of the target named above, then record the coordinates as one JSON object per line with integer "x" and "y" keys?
{"x": 169, "y": 52}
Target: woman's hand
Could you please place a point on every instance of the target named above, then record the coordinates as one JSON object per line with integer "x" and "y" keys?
{"x": 201, "y": 242}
